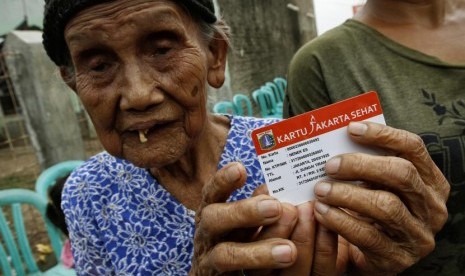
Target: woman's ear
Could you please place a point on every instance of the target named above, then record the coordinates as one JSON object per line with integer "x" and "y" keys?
{"x": 217, "y": 54}
{"x": 68, "y": 77}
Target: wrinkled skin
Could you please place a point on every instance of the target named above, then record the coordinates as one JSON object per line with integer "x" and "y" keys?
{"x": 221, "y": 227}
{"x": 388, "y": 223}
{"x": 144, "y": 66}
{"x": 146, "y": 69}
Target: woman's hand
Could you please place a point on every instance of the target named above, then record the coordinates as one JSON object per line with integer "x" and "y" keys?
{"x": 223, "y": 242}
{"x": 388, "y": 223}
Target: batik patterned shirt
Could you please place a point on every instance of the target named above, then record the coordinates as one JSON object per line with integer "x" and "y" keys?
{"x": 123, "y": 222}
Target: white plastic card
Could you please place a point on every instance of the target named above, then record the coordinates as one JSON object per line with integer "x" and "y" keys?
{"x": 293, "y": 152}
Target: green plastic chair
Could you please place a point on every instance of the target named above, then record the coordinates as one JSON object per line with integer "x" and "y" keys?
{"x": 240, "y": 101}
{"x": 278, "y": 93}
{"x": 18, "y": 259}
{"x": 281, "y": 83}
{"x": 275, "y": 105}
{"x": 266, "y": 102}
{"x": 48, "y": 177}
{"x": 225, "y": 107}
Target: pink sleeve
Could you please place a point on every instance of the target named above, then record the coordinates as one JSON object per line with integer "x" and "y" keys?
{"x": 66, "y": 255}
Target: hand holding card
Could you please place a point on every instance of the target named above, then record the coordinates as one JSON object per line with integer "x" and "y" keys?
{"x": 293, "y": 152}
{"x": 378, "y": 228}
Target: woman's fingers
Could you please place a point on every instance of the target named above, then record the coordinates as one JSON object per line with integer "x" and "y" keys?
{"x": 381, "y": 253}
{"x": 282, "y": 228}
{"x": 412, "y": 175}
{"x": 271, "y": 253}
{"x": 261, "y": 190}
{"x": 391, "y": 221}
{"x": 220, "y": 218}
{"x": 393, "y": 174}
{"x": 326, "y": 251}
{"x": 405, "y": 145}
{"x": 303, "y": 238}
{"x": 223, "y": 183}
{"x": 382, "y": 207}
{"x": 219, "y": 244}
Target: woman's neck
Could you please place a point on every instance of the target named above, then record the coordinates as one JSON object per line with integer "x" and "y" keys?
{"x": 426, "y": 13}
{"x": 434, "y": 27}
{"x": 185, "y": 178}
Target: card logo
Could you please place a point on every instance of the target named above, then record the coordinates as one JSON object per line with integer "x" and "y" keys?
{"x": 312, "y": 124}
{"x": 266, "y": 140}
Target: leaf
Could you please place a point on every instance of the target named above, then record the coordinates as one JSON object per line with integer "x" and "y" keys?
{"x": 43, "y": 248}
{"x": 41, "y": 258}
{"x": 429, "y": 103}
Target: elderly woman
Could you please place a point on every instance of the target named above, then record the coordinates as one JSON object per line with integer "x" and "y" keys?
{"x": 141, "y": 69}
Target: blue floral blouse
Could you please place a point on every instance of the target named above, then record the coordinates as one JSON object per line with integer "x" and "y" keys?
{"x": 123, "y": 222}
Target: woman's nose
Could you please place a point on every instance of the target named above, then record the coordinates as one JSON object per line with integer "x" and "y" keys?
{"x": 140, "y": 90}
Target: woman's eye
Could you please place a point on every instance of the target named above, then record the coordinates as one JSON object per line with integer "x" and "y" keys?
{"x": 100, "y": 67}
{"x": 161, "y": 51}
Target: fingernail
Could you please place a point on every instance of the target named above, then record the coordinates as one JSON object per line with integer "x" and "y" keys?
{"x": 322, "y": 188}
{"x": 232, "y": 173}
{"x": 321, "y": 208}
{"x": 268, "y": 208}
{"x": 332, "y": 166}
{"x": 357, "y": 129}
{"x": 282, "y": 253}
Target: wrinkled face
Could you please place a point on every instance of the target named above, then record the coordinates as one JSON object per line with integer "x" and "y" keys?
{"x": 141, "y": 71}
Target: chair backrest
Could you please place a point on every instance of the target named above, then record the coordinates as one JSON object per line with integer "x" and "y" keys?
{"x": 279, "y": 96}
{"x": 276, "y": 108}
{"x": 281, "y": 83}
{"x": 48, "y": 177}
{"x": 226, "y": 107}
{"x": 259, "y": 99}
{"x": 18, "y": 250}
{"x": 266, "y": 101}
{"x": 241, "y": 100}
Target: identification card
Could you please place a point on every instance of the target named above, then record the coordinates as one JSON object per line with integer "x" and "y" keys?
{"x": 293, "y": 152}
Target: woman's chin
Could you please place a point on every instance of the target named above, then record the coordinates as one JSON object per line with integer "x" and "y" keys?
{"x": 153, "y": 157}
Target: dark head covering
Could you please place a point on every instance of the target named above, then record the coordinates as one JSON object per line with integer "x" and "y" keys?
{"x": 57, "y": 13}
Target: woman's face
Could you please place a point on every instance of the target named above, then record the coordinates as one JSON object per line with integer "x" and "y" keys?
{"x": 141, "y": 71}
